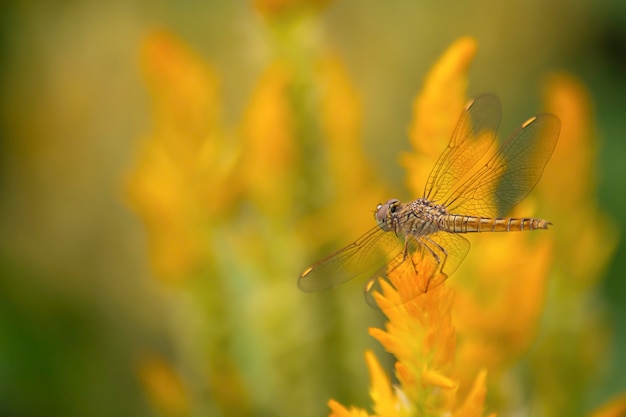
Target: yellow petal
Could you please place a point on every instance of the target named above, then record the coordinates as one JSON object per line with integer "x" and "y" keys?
{"x": 474, "y": 403}
{"x": 338, "y": 410}
{"x": 351, "y": 173}
{"x": 571, "y": 166}
{"x": 589, "y": 246}
{"x": 163, "y": 386}
{"x": 433, "y": 377}
{"x": 383, "y": 397}
{"x": 268, "y": 130}
{"x": 184, "y": 91}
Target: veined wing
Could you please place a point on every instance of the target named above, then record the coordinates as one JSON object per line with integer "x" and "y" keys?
{"x": 366, "y": 256}
{"x": 509, "y": 175}
{"x": 472, "y": 137}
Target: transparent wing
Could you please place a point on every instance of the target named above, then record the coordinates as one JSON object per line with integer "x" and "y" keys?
{"x": 509, "y": 175}
{"x": 472, "y": 137}
{"x": 366, "y": 256}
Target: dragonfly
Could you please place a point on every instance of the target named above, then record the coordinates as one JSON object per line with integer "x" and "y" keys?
{"x": 471, "y": 188}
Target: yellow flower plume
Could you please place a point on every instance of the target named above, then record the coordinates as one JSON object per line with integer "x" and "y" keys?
{"x": 227, "y": 207}
{"x": 420, "y": 332}
{"x": 574, "y": 341}
{"x": 183, "y": 175}
{"x": 447, "y": 340}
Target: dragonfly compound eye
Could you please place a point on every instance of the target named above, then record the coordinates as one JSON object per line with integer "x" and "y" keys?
{"x": 384, "y": 212}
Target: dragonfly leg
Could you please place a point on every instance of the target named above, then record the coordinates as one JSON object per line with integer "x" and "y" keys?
{"x": 405, "y": 252}
{"x": 425, "y": 246}
{"x": 441, "y": 260}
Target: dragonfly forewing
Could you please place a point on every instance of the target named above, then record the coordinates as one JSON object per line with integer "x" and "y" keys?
{"x": 367, "y": 256}
{"x": 510, "y": 174}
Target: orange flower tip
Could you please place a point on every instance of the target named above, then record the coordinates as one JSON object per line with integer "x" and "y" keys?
{"x": 163, "y": 385}
{"x": 474, "y": 403}
{"x": 336, "y": 407}
{"x": 338, "y": 410}
{"x": 405, "y": 374}
{"x": 377, "y": 374}
{"x": 564, "y": 85}
{"x": 430, "y": 377}
{"x": 162, "y": 51}
{"x": 456, "y": 59}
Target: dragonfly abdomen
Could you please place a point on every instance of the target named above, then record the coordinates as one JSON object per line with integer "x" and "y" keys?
{"x": 456, "y": 223}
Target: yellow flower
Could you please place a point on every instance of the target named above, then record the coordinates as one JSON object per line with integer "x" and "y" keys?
{"x": 225, "y": 209}
{"x": 237, "y": 210}
{"x": 351, "y": 181}
{"x": 572, "y": 345}
{"x": 587, "y": 237}
{"x": 269, "y": 143}
{"x": 420, "y": 332}
{"x": 164, "y": 387}
{"x": 497, "y": 315}
{"x": 420, "y": 335}
{"x": 385, "y": 401}
{"x": 183, "y": 173}
{"x": 495, "y": 318}
{"x": 446, "y": 340}
{"x": 182, "y": 185}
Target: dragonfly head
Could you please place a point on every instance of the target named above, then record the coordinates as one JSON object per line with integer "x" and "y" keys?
{"x": 385, "y": 213}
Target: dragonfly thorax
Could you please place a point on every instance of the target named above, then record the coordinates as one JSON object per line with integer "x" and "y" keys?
{"x": 419, "y": 217}
{"x": 427, "y": 210}
{"x": 422, "y": 217}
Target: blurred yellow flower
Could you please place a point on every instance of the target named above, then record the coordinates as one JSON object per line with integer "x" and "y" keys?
{"x": 447, "y": 340}
{"x": 164, "y": 387}
{"x": 268, "y": 132}
{"x": 230, "y": 213}
{"x": 182, "y": 185}
{"x": 351, "y": 179}
{"x": 183, "y": 173}
{"x": 420, "y": 332}
{"x": 496, "y": 320}
{"x": 421, "y": 337}
{"x": 573, "y": 343}
{"x": 584, "y": 250}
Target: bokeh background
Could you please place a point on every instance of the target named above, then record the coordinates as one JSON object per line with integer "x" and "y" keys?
{"x": 99, "y": 318}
